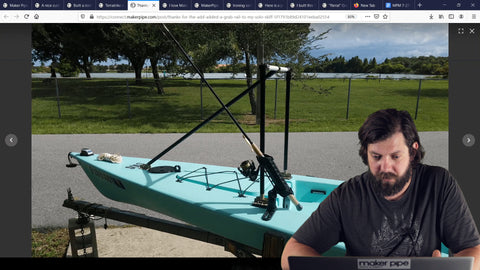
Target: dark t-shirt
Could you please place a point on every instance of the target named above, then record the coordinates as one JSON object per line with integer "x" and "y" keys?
{"x": 432, "y": 211}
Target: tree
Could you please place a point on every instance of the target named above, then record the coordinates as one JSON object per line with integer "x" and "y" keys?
{"x": 85, "y": 44}
{"x": 46, "y": 44}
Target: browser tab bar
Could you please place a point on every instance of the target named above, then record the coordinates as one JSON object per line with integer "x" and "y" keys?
{"x": 135, "y": 5}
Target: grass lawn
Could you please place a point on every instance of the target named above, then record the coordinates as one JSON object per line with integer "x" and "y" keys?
{"x": 50, "y": 242}
{"x": 102, "y": 105}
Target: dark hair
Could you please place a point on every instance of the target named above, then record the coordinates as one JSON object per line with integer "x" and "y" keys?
{"x": 382, "y": 124}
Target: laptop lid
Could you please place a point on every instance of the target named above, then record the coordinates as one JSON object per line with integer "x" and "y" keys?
{"x": 370, "y": 263}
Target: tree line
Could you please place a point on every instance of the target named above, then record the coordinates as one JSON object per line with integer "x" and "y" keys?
{"x": 426, "y": 65}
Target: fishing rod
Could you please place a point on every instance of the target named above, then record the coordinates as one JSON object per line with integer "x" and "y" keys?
{"x": 266, "y": 161}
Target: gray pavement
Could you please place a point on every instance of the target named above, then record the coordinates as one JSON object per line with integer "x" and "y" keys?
{"x": 332, "y": 155}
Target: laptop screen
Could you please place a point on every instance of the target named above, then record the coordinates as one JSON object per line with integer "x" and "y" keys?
{"x": 357, "y": 263}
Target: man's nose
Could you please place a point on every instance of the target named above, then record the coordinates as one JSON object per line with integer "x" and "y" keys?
{"x": 386, "y": 164}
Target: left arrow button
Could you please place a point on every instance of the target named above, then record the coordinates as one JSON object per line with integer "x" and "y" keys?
{"x": 11, "y": 140}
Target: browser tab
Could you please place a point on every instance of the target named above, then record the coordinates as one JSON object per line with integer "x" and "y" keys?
{"x": 399, "y": 4}
{"x": 208, "y": 5}
{"x": 367, "y": 5}
{"x": 271, "y": 4}
{"x": 334, "y": 5}
{"x": 142, "y": 5}
{"x": 302, "y": 5}
{"x": 239, "y": 4}
{"x": 174, "y": 5}
{"x": 112, "y": 5}
{"x": 80, "y": 4}
{"x": 47, "y": 4}
{"x": 16, "y": 5}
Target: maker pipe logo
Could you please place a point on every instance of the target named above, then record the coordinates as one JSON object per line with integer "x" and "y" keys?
{"x": 383, "y": 264}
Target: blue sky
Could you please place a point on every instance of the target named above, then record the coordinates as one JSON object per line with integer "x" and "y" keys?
{"x": 383, "y": 40}
{"x": 379, "y": 40}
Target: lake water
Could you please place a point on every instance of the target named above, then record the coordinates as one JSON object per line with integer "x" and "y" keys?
{"x": 242, "y": 76}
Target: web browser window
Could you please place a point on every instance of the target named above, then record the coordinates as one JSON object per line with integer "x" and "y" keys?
{"x": 76, "y": 70}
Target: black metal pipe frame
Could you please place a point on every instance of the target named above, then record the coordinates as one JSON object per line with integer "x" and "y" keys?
{"x": 263, "y": 77}
{"x": 262, "y": 69}
{"x": 204, "y": 122}
{"x": 287, "y": 119}
{"x": 147, "y": 166}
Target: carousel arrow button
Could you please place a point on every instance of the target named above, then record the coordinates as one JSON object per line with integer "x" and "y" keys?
{"x": 11, "y": 140}
{"x": 468, "y": 140}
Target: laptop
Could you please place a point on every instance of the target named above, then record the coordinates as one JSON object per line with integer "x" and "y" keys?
{"x": 375, "y": 263}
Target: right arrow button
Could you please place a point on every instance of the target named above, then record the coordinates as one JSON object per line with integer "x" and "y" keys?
{"x": 468, "y": 140}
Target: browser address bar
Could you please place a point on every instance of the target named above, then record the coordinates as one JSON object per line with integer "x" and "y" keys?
{"x": 213, "y": 16}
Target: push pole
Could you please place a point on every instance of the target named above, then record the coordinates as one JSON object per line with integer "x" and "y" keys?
{"x": 348, "y": 98}
{"x": 287, "y": 121}
{"x": 262, "y": 70}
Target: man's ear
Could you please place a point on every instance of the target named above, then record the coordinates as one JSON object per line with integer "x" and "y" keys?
{"x": 415, "y": 145}
{"x": 414, "y": 151}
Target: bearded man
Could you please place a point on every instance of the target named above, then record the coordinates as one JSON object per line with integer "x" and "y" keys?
{"x": 399, "y": 207}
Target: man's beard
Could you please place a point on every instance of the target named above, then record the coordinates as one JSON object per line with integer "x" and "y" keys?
{"x": 388, "y": 189}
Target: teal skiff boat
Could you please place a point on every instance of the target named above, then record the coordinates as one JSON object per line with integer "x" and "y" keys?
{"x": 215, "y": 198}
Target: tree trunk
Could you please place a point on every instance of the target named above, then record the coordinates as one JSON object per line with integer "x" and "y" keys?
{"x": 53, "y": 73}
{"x": 251, "y": 93}
{"x": 137, "y": 64}
{"x": 86, "y": 67}
{"x": 138, "y": 74}
{"x": 156, "y": 77}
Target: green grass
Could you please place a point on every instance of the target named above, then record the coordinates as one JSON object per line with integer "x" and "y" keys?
{"x": 101, "y": 105}
{"x": 49, "y": 242}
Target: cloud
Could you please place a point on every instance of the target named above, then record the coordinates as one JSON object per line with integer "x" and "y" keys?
{"x": 383, "y": 40}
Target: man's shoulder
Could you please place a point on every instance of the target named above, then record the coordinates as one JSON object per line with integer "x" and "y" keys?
{"x": 424, "y": 170}
{"x": 355, "y": 183}
{"x": 430, "y": 175}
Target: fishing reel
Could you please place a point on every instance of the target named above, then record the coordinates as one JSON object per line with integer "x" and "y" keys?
{"x": 247, "y": 168}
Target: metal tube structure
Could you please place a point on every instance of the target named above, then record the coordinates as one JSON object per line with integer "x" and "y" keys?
{"x": 262, "y": 69}
{"x": 230, "y": 103}
{"x": 277, "y": 68}
{"x": 287, "y": 120}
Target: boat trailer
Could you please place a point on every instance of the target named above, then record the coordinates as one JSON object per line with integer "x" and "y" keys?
{"x": 272, "y": 244}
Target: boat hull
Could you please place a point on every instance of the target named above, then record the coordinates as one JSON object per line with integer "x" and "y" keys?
{"x": 217, "y": 199}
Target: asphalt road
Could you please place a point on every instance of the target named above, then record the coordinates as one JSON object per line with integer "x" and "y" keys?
{"x": 332, "y": 155}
